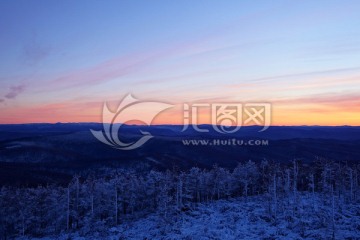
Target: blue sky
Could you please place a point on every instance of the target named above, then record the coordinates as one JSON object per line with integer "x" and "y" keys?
{"x": 61, "y": 59}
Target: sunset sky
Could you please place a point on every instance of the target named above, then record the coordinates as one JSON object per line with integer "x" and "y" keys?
{"x": 61, "y": 60}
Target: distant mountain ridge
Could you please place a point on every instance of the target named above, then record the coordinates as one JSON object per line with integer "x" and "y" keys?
{"x": 273, "y": 132}
{"x": 38, "y": 153}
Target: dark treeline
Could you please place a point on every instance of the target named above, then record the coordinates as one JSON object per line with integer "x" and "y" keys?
{"x": 92, "y": 204}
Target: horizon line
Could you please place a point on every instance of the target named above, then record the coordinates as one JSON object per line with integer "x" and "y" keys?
{"x": 155, "y": 125}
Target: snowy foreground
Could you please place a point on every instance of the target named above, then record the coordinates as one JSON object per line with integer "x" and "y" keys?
{"x": 241, "y": 219}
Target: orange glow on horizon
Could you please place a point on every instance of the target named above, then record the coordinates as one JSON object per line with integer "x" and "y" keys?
{"x": 281, "y": 116}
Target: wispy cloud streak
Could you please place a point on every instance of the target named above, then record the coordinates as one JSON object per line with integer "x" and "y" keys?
{"x": 14, "y": 91}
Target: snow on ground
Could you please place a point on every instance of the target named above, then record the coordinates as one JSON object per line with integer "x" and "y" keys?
{"x": 241, "y": 219}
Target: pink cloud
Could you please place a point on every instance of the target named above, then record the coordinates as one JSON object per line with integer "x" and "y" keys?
{"x": 124, "y": 65}
{"x": 271, "y": 79}
{"x": 330, "y": 102}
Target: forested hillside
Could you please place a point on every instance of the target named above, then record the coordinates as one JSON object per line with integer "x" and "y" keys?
{"x": 317, "y": 201}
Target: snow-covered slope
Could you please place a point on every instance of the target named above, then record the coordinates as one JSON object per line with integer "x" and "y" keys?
{"x": 244, "y": 219}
